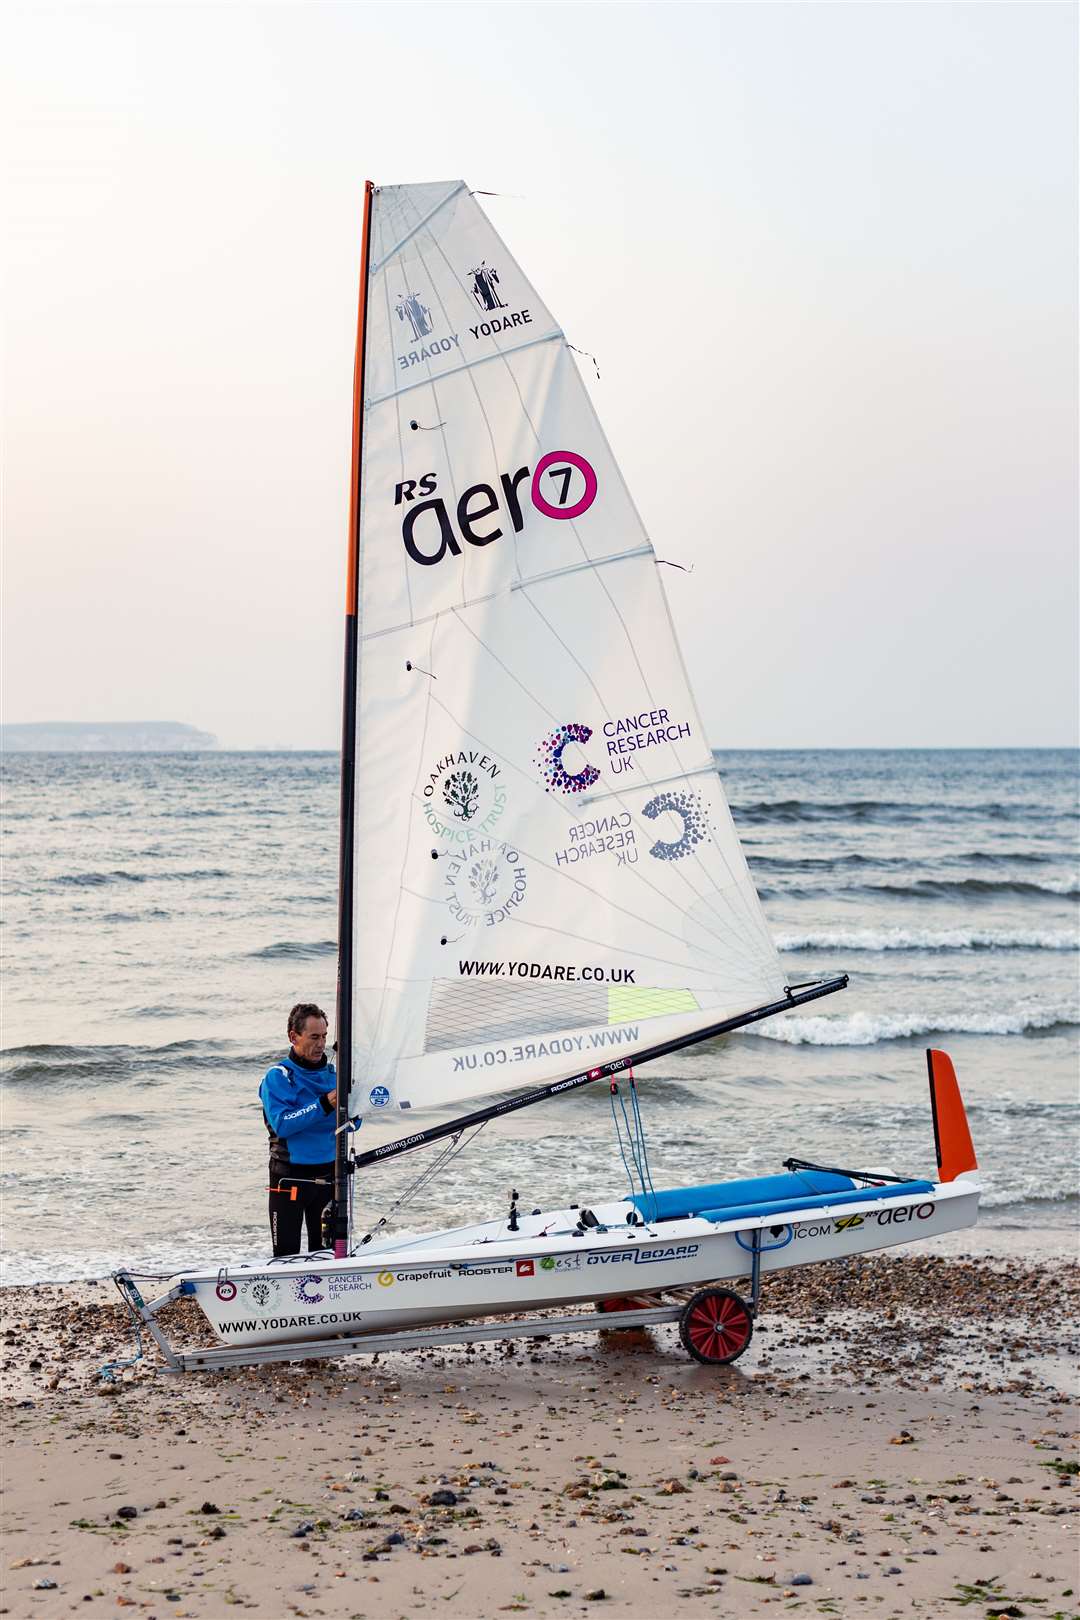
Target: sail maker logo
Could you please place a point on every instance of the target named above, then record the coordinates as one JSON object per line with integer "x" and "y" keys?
{"x": 562, "y": 485}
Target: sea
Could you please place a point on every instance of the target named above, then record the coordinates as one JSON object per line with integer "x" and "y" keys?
{"x": 162, "y": 912}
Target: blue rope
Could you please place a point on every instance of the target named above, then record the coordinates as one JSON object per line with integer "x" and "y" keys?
{"x": 648, "y": 1190}
{"x": 635, "y": 1146}
{"x": 619, "y": 1139}
{"x": 108, "y": 1370}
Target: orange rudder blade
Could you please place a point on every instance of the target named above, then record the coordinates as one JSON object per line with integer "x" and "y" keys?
{"x": 952, "y": 1135}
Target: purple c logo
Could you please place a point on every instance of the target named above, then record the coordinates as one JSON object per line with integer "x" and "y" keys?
{"x": 549, "y": 759}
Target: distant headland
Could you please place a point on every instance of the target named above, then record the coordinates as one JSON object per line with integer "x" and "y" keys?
{"x": 104, "y": 737}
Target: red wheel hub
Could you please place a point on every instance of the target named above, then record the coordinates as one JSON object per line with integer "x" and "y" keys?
{"x": 718, "y": 1327}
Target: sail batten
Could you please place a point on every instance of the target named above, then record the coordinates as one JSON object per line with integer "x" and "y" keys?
{"x": 523, "y": 584}
{"x": 549, "y": 865}
{"x": 469, "y": 365}
{"x": 681, "y": 776}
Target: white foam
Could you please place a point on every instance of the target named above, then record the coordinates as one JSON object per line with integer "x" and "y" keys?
{"x": 866, "y": 1029}
{"x": 931, "y": 939}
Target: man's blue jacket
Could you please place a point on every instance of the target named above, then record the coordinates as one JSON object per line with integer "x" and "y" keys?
{"x": 300, "y": 1120}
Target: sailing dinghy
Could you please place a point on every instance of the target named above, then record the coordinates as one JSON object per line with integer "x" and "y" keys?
{"x": 541, "y": 887}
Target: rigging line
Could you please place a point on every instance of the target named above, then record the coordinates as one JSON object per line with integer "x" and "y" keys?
{"x": 587, "y": 356}
{"x": 422, "y": 1181}
{"x": 636, "y": 1100}
{"x": 619, "y": 1140}
{"x": 426, "y": 220}
{"x": 632, "y": 1147}
{"x": 466, "y": 365}
{"x": 571, "y": 876}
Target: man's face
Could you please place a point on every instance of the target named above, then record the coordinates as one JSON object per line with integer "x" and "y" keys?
{"x": 310, "y": 1042}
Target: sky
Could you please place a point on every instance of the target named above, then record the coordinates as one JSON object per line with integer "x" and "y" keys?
{"x": 868, "y": 451}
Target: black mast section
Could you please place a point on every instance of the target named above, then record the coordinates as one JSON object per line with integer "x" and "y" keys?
{"x": 340, "y": 1215}
{"x": 795, "y": 996}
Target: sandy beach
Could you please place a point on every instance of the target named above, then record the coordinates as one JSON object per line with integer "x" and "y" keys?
{"x": 899, "y": 1439}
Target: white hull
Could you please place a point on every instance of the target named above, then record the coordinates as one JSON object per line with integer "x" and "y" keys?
{"x": 486, "y": 1270}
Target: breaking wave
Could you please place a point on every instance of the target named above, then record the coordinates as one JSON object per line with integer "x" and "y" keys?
{"x": 96, "y": 880}
{"x": 888, "y": 810}
{"x": 64, "y": 1065}
{"x": 837, "y": 863}
{"x": 1004, "y": 1197}
{"x": 867, "y": 1029}
{"x": 297, "y": 950}
{"x": 1065, "y": 888}
{"x": 931, "y": 939}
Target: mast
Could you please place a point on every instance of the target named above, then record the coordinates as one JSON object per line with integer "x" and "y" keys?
{"x": 794, "y": 996}
{"x": 346, "y": 875}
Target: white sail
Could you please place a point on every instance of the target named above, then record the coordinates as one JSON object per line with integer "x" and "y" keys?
{"x": 546, "y": 869}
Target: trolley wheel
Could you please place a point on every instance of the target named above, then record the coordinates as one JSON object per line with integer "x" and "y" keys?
{"x": 716, "y": 1326}
{"x": 624, "y": 1302}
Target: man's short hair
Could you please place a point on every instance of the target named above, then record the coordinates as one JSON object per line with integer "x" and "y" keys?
{"x": 300, "y": 1015}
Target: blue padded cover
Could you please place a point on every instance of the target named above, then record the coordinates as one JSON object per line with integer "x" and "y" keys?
{"x": 789, "y": 1206}
{"x": 680, "y": 1201}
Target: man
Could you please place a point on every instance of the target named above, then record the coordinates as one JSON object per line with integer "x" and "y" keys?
{"x": 299, "y": 1099}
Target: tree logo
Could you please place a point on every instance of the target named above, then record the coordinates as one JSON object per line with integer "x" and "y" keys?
{"x": 484, "y": 883}
{"x": 463, "y": 795}
{"x": 461, "y": 791}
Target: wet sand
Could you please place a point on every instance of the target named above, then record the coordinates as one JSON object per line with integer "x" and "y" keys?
{"x": 899, "y": 1439}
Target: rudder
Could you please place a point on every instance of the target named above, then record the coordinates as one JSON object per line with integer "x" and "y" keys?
{"x": 952, "y": 1135}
